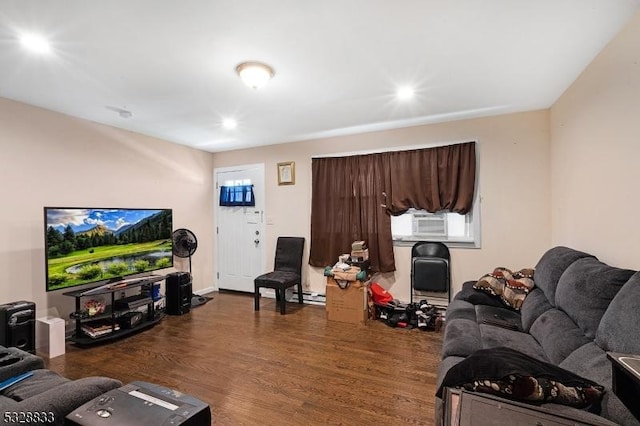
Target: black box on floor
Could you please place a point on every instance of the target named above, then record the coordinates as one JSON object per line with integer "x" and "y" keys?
{"x": 142, "y": 404}
{"x": 178, "y": 290}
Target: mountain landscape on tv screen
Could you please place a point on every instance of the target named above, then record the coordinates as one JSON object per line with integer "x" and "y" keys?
{"x": 89, "y": 245}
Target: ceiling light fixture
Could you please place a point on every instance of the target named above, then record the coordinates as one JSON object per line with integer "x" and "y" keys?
{"x": 229, "y": 123}
{"x": 35, "y": 43}
{"x": 255, "y": 74}
{"x": 405, "y": 93}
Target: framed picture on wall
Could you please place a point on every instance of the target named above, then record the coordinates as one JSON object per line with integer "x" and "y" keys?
{"x": 286, "y": 173}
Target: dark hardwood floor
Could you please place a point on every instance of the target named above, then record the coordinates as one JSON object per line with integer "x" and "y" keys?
{"x": 261, "y": 368}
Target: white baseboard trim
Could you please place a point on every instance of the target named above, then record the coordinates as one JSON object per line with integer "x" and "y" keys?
{"x": 204, "y": 291}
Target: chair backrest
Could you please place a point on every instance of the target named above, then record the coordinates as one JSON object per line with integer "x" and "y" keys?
{"x": 430, "y": 249}
{"x": 289, "y": 251}
{"x": 430, "y": 268}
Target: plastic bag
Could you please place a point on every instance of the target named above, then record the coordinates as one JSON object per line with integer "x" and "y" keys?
{"x": 380, "y": 295}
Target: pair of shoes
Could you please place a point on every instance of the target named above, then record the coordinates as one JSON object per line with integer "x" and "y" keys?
{"x": 399, "y": 320}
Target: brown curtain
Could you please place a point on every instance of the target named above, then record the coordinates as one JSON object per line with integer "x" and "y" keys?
{"x": 432, "y": 179}
{"x": 347, "y": 205}
{"x": 352, "y": 197}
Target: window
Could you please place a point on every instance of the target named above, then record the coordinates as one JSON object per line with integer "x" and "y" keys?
{"x": 235, "y": 193}
{"x": 237, "y": 182}
{"x": 382, "y": 184}
{"x": 453, "y": 228}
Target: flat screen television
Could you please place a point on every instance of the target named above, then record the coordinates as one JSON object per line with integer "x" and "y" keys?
{"x": 98, "y": 245}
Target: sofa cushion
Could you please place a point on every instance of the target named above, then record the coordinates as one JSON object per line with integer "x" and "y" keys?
{"x": 622, "y": 320}
{"x": 551, "y": 266}
{"x": 8, "y": 404}
{"x": 41, "y": 381}
{"x": 586, "y": 289}
{"x": 63, "y": 399}
{"x": 534, "y": 305}
{"x": 591, "y": 362}
{"x": 459, "y": 309}
{"x": 493, "y": 337}
{"x": 557, "y": 334}
{"x": 14, "y": 361}
{"x": 461, "y": 338}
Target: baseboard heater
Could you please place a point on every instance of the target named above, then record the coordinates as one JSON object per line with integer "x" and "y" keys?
{"x": 308, "y": 297}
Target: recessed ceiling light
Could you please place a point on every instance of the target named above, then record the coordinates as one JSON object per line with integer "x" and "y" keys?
{"x": 405, "y": 93}
{"x": 35, "y": 43}
{"x": 229, "y": 123}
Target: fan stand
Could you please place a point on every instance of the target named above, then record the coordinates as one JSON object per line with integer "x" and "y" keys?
{"x": 184, "y": 245}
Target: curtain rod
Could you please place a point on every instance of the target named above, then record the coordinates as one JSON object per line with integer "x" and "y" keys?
{"x": 394, "y": 148}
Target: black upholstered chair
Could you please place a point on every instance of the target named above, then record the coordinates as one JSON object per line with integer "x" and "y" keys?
{"x": 430, "y": 268}
{"x": 287, "y": 271}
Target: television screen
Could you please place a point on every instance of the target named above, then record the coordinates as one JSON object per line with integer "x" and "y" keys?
{"x": 89, "y": 245}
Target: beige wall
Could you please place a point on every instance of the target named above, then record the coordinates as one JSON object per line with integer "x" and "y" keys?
{"x": 595, "y": 151}
{"x": 52, "y": 159}
{"x": 49, "y": 159}
{"x": 560, "y": 176}
{"x": 514, "y": 183}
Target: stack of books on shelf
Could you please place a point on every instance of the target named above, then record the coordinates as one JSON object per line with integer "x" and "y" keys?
{"x": 96, "y": 329}
{"x": 359, "y": 251}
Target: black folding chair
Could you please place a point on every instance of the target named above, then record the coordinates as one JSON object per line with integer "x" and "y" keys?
{"x": 430, "y": 268}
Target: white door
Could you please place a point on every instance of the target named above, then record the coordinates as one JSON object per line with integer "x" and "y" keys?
{"x": 240, "y": 230}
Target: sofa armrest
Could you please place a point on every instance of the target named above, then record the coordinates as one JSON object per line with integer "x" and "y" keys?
{"x": 14, "y": 361}
{"x": 63, "y": 399}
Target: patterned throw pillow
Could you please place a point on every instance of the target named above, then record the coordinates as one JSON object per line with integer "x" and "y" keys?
{"x": 539, "y": 389}
{"x": 511, "y": 287}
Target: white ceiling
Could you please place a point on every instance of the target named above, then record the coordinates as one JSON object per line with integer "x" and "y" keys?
{"x": 338, "y": 63}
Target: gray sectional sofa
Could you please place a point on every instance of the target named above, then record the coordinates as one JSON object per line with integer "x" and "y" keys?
{"x": 579, "y": 309}
{"x": 45, "y": 397}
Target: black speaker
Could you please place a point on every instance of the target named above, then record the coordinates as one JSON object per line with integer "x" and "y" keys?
{"x": 178, "y": 290}
{"x": 18, "y": 325}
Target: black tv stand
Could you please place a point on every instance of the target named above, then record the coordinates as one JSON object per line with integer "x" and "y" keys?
{"x": 116, "y": 321}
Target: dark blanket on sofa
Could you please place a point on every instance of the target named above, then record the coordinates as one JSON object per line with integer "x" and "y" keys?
{"x": 511, "y": 374}
{"x": 476, "y": 297}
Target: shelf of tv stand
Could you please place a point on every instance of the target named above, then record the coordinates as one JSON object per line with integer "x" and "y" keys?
{"x": 86, "y": 340}
{"x": 115, "y": 286}
{"x": 151, "y": 316}
{"x": 109, "y": 313}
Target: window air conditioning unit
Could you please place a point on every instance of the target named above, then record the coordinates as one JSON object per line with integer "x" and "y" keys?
{"x": 430, "y": 225}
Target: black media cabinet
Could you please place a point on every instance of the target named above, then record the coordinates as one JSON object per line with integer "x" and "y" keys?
{"x": 122, "y": 316}
{"x": 626, "y": 380}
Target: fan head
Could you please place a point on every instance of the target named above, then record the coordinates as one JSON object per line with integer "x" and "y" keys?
{"x": 185, "y": 242}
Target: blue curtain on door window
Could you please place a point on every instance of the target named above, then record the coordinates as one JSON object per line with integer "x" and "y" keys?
{"x": 240, "y": 195}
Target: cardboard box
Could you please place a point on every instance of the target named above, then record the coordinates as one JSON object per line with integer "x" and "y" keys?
{"x": 347, "y": 305}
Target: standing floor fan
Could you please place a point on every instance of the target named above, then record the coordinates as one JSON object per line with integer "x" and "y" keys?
{"x": 185, "y": 244}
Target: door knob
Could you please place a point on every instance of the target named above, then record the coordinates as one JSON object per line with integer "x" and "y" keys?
{"x": 256, "y": 241}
